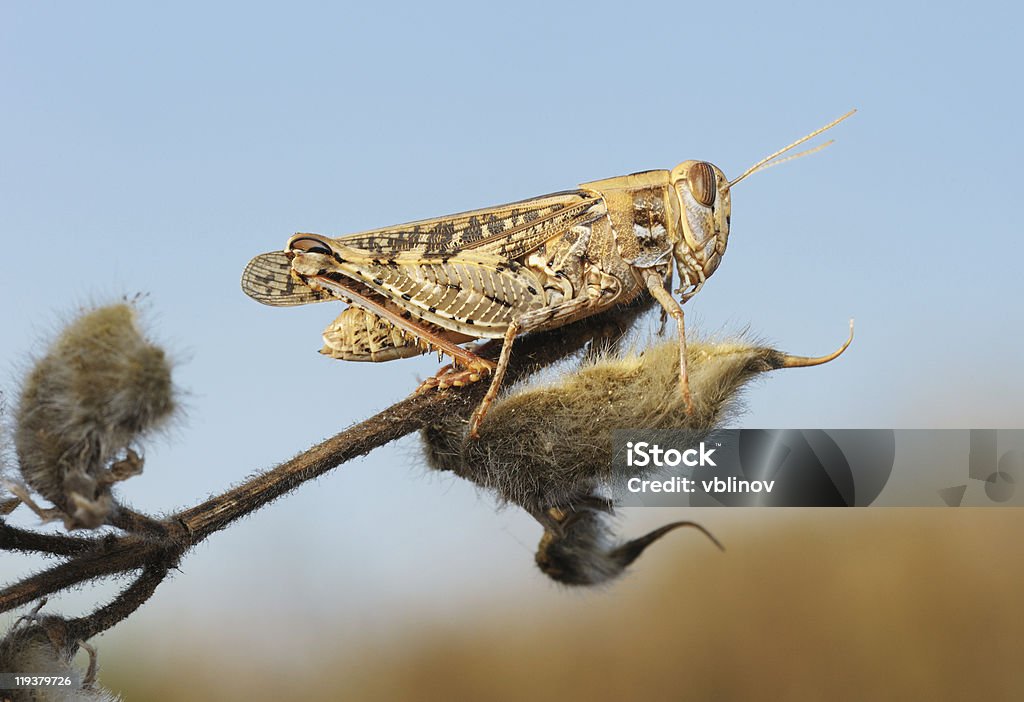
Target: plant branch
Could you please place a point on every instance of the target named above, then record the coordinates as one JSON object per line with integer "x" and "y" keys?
{"x": 15, "y": 539}
{"x": 133, "y": 597}
{"x": 128, "y": 553}
{"x": 92, "y": 558}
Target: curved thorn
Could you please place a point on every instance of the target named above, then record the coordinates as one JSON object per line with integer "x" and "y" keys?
{"x": 631, "y": 550}
{"x": 805, "y": 361}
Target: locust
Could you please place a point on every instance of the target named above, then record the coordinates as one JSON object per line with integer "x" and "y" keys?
{"x": 502, "y": 271}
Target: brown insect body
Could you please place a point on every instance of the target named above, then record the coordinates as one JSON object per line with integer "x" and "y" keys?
{"x": 501, "y": 271}
{"x": 492, "y": 270}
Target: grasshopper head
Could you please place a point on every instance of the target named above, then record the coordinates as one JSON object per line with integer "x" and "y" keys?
{"x": 702, "y": 194}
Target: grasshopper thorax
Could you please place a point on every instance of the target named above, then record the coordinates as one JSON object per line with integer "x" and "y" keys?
{"x": 702, "y": 195}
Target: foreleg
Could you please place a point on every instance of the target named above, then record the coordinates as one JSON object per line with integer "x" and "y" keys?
{"x": 656, "y": 284}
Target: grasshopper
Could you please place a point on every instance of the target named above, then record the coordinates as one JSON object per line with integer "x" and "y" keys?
{"x": 501, "y": 271}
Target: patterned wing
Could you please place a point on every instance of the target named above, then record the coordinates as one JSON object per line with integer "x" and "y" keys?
{"x": 508, "y": 231}
{"x": 268, "y": 279}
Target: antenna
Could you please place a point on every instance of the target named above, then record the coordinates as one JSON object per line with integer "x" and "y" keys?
{"x": 766, "y": 162}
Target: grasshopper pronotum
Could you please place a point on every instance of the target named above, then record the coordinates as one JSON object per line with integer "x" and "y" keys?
{"x": 501, "y": 271}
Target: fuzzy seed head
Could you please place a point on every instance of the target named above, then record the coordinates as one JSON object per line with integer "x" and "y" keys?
{"x": 100, "y": 388}
{"x": 548, "y": 447}
{"x": 543, "y": 446}
{"x": 581, "y": 551}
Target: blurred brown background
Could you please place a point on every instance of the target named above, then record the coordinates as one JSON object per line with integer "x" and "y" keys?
{"x": 805, "y": 604}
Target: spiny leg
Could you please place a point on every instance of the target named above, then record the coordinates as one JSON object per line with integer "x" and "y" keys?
{"x": 663, "y": 317}
{"x": 451, "y": 376}
{"x": 499, "y": 374}
{"x": 656, "y": 285}
{"x": 475, "y": 367}
{"x": 546, "y": 318}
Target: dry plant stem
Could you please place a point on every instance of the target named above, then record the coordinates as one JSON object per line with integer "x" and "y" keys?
{"x": 84, "y": 628}
{"x": 15, "y": 539}
{"x": 133, "y": 522}
{"x": 96, "y": 558}
{"x": 393, "y": 423}
{"x": 117, "y": 556}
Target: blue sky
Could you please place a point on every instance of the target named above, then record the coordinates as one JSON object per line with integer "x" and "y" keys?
{"x": 157, "y": 149}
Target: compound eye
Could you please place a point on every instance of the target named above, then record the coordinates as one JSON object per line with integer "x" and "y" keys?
{"x": 310, "y": 245}
{"x": 702, "y": 181}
